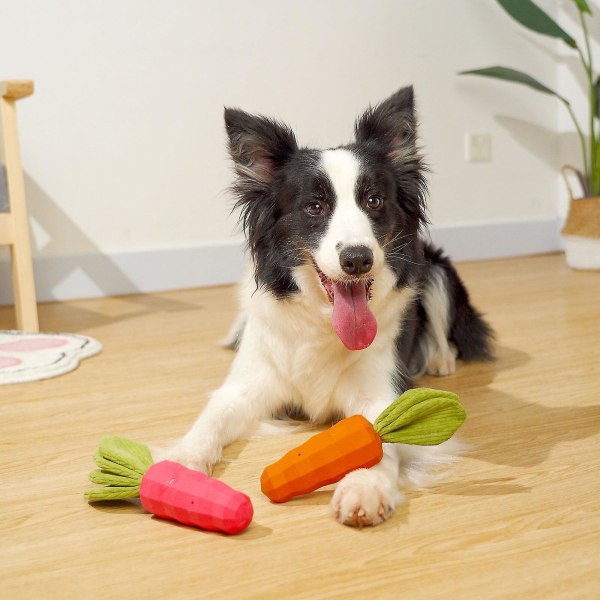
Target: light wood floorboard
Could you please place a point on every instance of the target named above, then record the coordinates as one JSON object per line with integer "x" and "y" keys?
{"x": 518, "y": 518}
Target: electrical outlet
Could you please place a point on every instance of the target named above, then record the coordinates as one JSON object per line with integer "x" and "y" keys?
{"x": 478, "y": 147}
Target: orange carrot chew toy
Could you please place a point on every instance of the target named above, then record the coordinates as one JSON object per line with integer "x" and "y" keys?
{"x": 420, "y": 416}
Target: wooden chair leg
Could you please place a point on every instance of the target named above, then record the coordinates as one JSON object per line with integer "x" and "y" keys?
{"x": 24, "y": 289}
{"x": 22, "y": 266}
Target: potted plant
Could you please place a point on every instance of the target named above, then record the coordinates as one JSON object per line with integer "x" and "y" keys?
{"x": 581, "y": 232}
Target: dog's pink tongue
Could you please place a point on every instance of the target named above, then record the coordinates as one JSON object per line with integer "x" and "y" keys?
{"x": 352, "y": 320}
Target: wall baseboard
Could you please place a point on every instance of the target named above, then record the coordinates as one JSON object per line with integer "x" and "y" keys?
{"x": 482, "y": 241}
{"x": 154, "y": 270}
{"x": 130, "y": 272}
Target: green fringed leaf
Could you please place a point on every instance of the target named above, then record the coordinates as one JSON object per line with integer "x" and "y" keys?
{"x": 508, "y": 74}
{"x": 386, "y": 421}
{"x": 422, "y": 416}
{"x": 533, "y": 17}
{"x": 115, "y": 468}
{"x": 122, "y": 464}
{"x": 429, "y": 423}
{"x": 129, "y": 454}
{"x": 111, "y": 493}
{"x": 583, "y": 6}
{"x": 106, "y": 478}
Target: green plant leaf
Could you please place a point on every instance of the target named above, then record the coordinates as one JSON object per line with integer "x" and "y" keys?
{"x": 583, "y": 7}
{"x": 125, "y": 452}
{"x": 122, "y": 464}
{"x": 385, "y": 422}
{"x": 508, "y": 74}
{"x": 111, "y": 493}
{"x": 106, "y": 478}
{"x": 533, "y": 17}
{"x": 597, "y": 98}
{"x": 421, "y": 416}
{"x": 108, "y": 466}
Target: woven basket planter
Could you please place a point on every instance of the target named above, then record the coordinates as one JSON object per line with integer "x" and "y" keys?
{"x": 581, "y": 233}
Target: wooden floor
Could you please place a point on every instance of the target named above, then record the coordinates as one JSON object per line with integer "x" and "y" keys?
{"x": 519, "y": 518}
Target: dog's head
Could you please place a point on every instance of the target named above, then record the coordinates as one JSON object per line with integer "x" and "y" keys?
{"x": 348, "y": 212}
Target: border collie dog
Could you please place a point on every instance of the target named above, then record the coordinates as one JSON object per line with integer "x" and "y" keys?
{"x": 345, "y": 302}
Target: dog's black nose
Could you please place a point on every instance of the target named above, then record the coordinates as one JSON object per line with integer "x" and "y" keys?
{"x": 356, "y": 260}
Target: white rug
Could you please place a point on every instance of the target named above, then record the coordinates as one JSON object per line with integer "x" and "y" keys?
{"x": 32, "y": 356}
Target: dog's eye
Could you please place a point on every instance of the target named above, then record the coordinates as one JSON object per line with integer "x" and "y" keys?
{"x": 315, "y": 209}
{"x": 375, "y": 202}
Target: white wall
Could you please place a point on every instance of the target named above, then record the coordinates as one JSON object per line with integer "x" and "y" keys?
{"x": 123, "y": 142}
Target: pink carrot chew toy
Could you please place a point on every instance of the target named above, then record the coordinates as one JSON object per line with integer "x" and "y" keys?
{"x": 167, "y": 489}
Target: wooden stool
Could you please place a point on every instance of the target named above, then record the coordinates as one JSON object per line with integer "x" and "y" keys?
{"x": 14, "y": 226}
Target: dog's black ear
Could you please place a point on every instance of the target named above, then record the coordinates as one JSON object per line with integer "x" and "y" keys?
{"x": 390, "y": 128}
{"x": 391, "y": 124}
{"x": 258, "y": 145}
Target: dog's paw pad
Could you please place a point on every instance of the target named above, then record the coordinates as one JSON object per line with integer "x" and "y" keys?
{"x": 362, "y": 499}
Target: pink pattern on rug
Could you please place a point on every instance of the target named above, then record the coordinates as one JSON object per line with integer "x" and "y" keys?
{"x": 8, "y": 361}
{"x": 32, "y": 345}
{"x": 34, "y": 356}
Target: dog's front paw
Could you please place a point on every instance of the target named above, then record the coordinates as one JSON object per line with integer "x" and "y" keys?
{"x": 185, "y": 454}
{"x": 443, "y": 362}
{"x": 363, "y": 498}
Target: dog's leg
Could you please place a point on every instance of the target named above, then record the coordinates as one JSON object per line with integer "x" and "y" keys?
{"x": 234, "y": 337}
{"x": 453, "y": 327}
{"x": 230, "y": 412}
{"x": 369, "y": 496}
{"x": 439, "y": 351}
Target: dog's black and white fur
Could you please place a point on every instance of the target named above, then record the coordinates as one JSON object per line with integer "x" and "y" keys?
{"x": 337, "y": 226}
